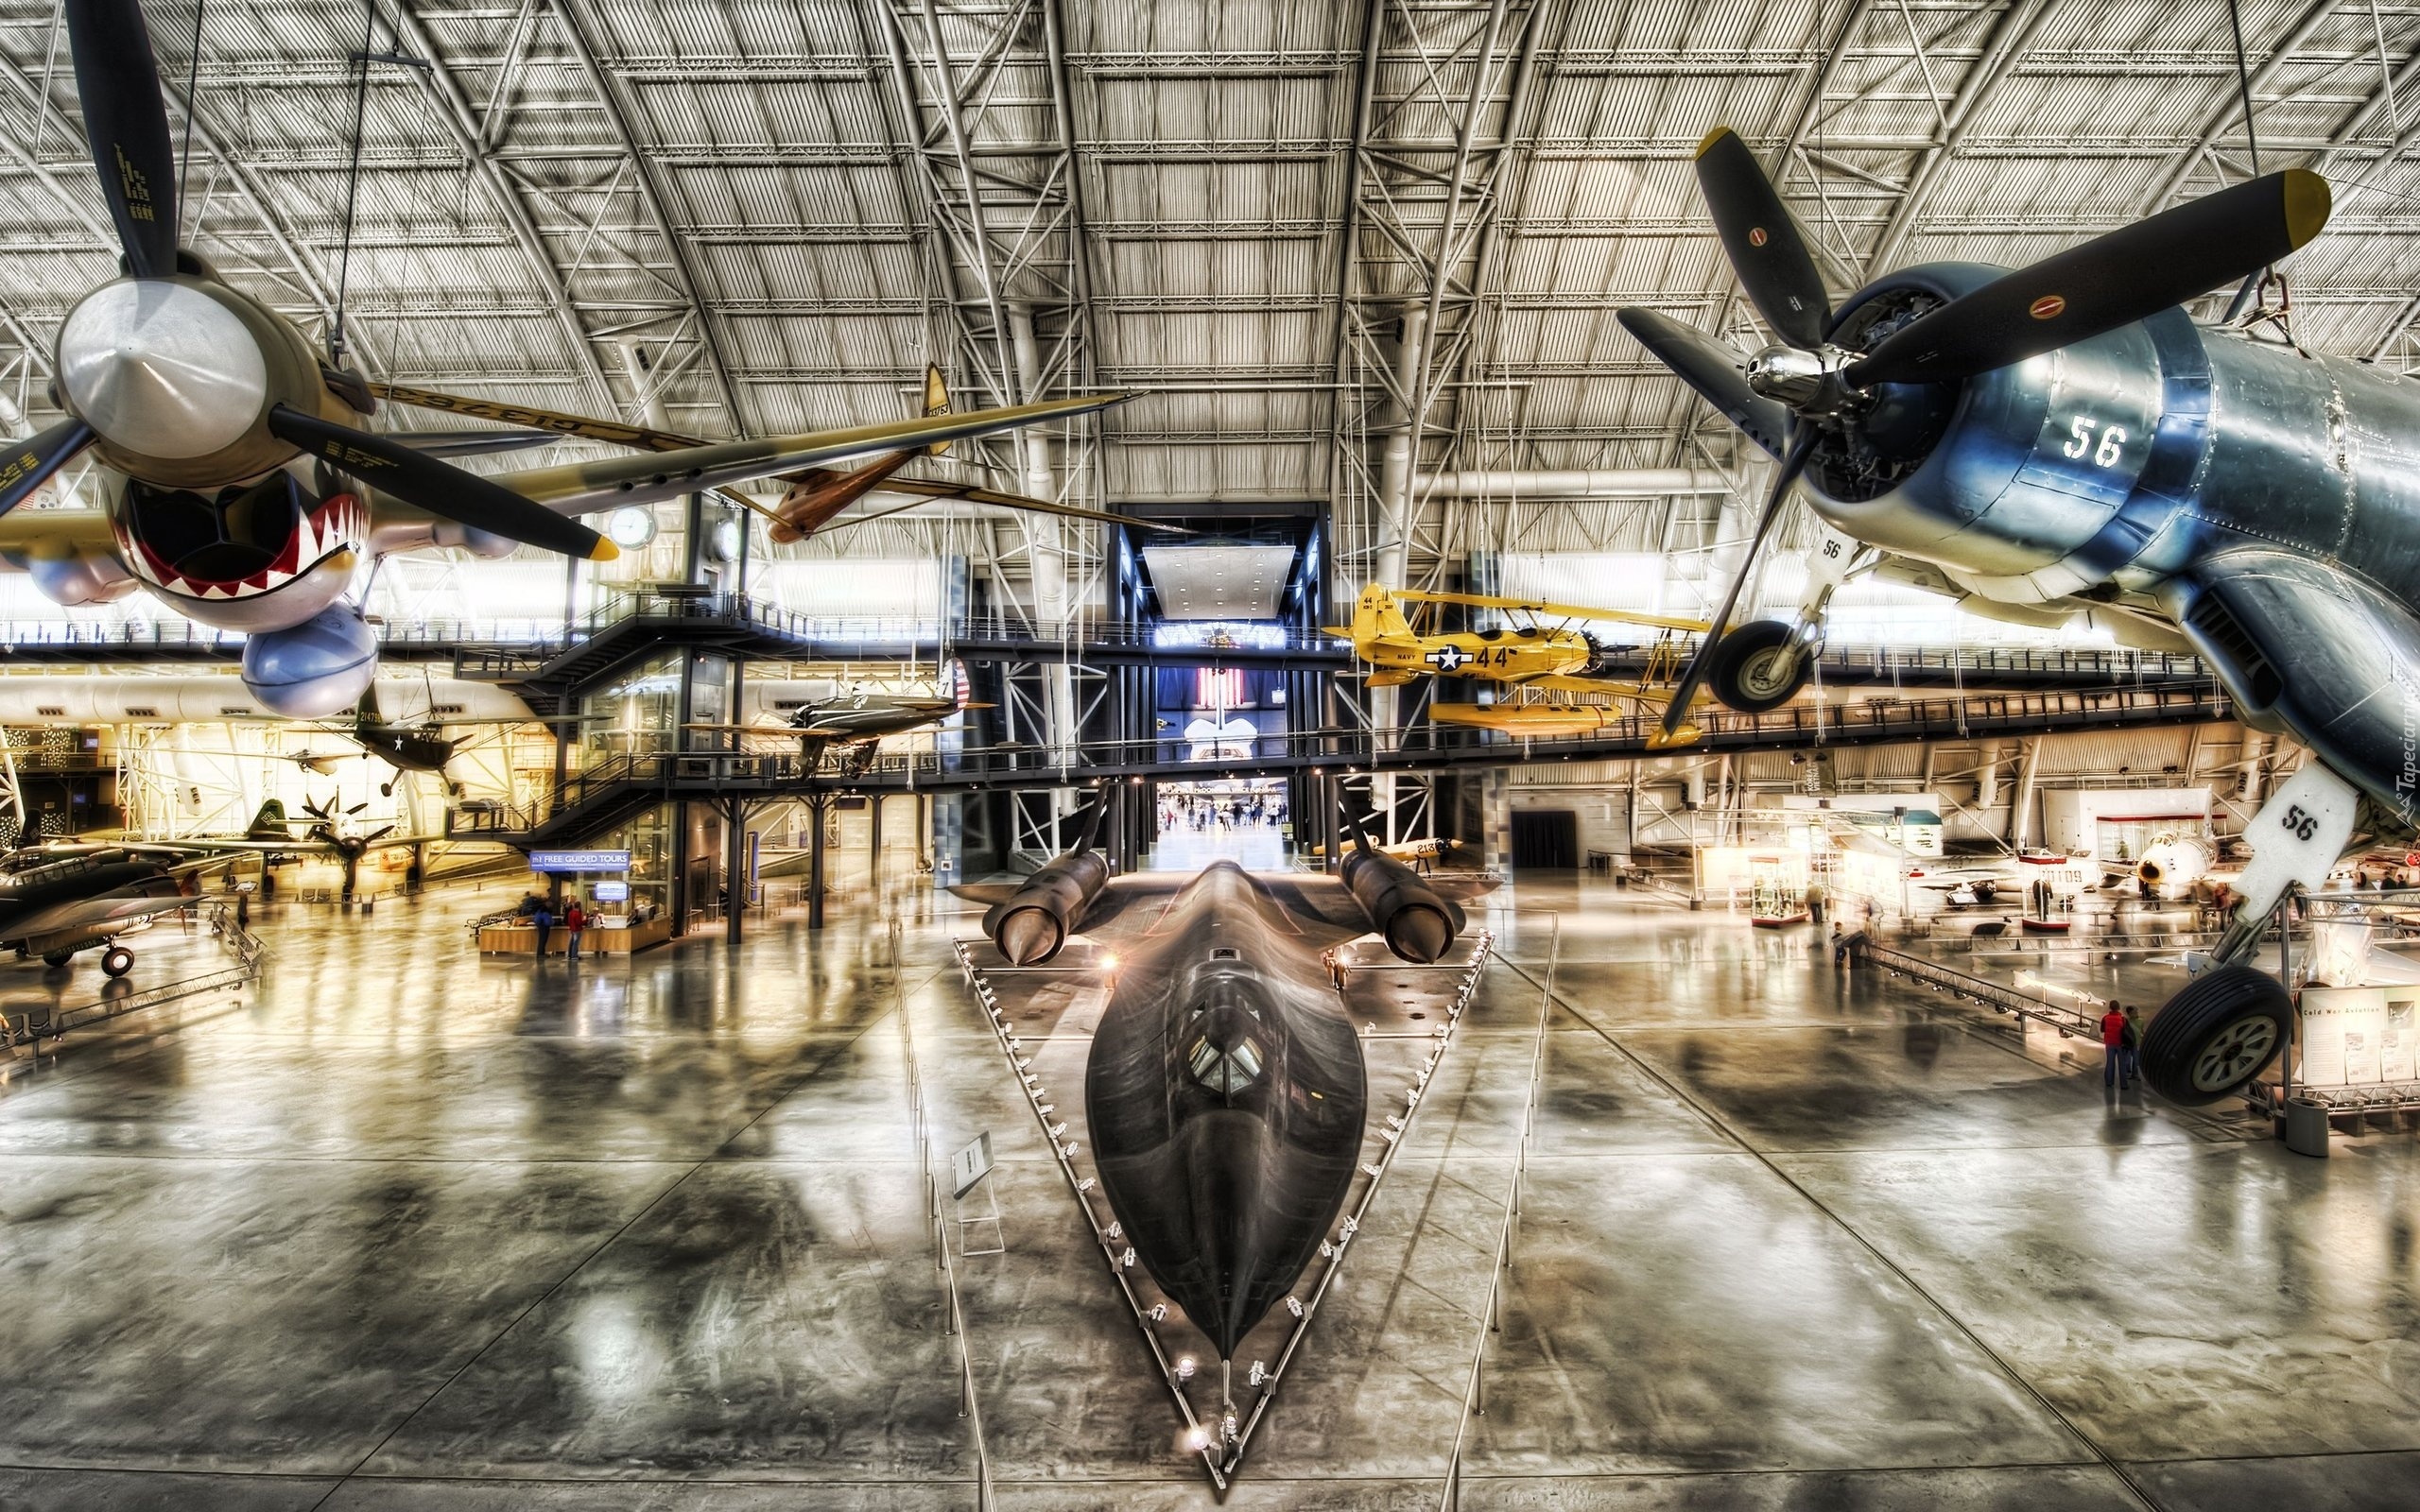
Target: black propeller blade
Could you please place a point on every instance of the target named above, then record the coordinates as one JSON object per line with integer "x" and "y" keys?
{"x": 1712, "y": 368}
{"x": 437, "y": 486}
{"x": 1791, "y": 465}
{"x": 28, "y": 464}
{"x": 1762, "y": 241}
{"x": 119, "y": 84}
{"x": 2130, "y": 274}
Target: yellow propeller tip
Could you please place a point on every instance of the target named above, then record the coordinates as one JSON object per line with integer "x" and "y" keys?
{"x": 1706, "y": 143}
{"x": 605, "y": 551}
{"x": 2309, "y": 199}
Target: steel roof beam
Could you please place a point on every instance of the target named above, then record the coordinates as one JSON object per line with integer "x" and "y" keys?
{"x": 580, "y": 30}
{"x": 308, "y": 276}
{"x": 454, "y": 113}
{"x": 2227, "y": 113}
{"x": 2009, "y": 37}
{"x": 1080, "y": 231}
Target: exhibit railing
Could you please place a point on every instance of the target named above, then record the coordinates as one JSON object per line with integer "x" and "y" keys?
{"x": 1879, "y": 662}
{"x": 2071, "y": 1013}
{"x": 1491, "y": 1314}
{"x": 970, "y": 1404}
{"x": 30, "y": 1026}
{"x": 636, "y": 775}
{"x": 1110, "y": 1239}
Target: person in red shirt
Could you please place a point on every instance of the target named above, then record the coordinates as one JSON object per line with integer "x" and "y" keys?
{"x": 575, "y": 920}
{"x": 2118, "y": 1039}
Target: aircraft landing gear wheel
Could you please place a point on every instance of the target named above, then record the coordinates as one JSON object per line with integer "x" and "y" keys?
{"x": 2217, "y": 1034}
{"x": 1759, "y": 666}
{"x": 56, "y": 958}
{"x": 117, "y": 961}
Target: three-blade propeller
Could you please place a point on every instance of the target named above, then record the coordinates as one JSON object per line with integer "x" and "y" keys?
{"x": 126, "y": 118}
{"x": 2113, "y": 281}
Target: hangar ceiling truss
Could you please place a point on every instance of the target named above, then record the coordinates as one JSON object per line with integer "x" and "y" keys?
{"x": 740, "y": 219}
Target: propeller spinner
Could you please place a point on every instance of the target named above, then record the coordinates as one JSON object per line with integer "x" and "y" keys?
{"x": 1790, "y": 396}
{"x": 182, "y": 382}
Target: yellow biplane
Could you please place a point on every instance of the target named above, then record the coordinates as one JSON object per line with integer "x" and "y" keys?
{"x": 1548, "y": 663}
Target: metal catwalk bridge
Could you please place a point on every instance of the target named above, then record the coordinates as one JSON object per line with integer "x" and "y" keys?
{"x": 623, "y": 786}
{"x": 553, "y": 655}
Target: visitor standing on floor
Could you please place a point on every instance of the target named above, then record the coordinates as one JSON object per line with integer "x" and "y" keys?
{"x": 543, "y": 920}
{"x": 575, "y": 920}
{"x": 2117, "y": 1065}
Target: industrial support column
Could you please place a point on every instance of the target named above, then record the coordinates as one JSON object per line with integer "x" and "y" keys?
{"x": 1393, "y": 545}
{"x": 734, "y": 863}
{"x": 1048, "y": 559}
{"x": 2020, "y": 810}
{"x": 819, "y": 804}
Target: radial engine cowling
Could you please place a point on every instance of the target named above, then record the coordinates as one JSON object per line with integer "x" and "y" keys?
{"x": 2015, "y": 479}
{"x": 1417, "y": 922}
{"x": 1031, "y": 926}
{"x": 315, "y": 669}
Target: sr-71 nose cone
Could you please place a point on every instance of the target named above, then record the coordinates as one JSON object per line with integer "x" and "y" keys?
{"x": 1226, "y": 1096}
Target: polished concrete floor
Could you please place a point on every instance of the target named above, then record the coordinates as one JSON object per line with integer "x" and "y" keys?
{"x": 404, "y": 1228}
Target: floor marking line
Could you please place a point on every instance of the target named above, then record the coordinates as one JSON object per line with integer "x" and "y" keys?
{"x": 2106, "y": 1460}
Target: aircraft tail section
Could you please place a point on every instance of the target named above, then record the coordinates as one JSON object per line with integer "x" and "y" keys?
{"x": 935, "y": 403}
{"x": 1379, "y": 617}
{"x": 269, "y": 824}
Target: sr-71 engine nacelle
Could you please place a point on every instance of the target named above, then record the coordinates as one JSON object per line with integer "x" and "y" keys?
{"x": 1033, "y": 924}
{"x": 1416, "y": 921}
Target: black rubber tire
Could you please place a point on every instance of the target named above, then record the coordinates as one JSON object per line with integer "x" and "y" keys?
{"x": 117, "y": 961}
{"x": 1740, "y": 675}
{"x": 2221, "y": 1030}
{"x": 58, "y": 959}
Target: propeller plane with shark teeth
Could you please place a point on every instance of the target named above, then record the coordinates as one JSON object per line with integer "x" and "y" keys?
{"x": 240, "y": 487}
{"x": 2062, "y": 441}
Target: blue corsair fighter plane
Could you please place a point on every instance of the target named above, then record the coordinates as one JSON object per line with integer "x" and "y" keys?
{"x": 2063, "y": 443}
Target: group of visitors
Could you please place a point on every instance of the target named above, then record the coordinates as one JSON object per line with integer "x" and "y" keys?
{"x": 2121, "y": 1038}
{"x": 1204, "y": 812}
{"x": 543, "y": 918}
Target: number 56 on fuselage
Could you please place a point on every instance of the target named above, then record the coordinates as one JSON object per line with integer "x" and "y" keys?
{"x": 2063, "y": 441}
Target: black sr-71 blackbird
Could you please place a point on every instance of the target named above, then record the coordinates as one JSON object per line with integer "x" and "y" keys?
{"x": 1225, "y": 1092}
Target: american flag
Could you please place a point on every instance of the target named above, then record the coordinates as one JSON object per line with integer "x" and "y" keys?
{"x": 1217, "y": 688}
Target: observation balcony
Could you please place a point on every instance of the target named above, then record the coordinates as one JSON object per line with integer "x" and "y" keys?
{"x": 622, "y": 626}
{"x": 627, "y": 784}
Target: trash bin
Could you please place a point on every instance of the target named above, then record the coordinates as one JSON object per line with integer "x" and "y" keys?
{"x": 2307, "y": 1126}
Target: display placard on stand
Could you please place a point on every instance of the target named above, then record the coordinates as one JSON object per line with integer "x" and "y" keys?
{"x": 967, "y": 1170}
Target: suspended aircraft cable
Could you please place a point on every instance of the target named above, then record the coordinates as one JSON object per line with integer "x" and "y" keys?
{"x": 193, "y": 86}
{"x": 351, "y": 177}
{"x": 2249, "y": 291}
